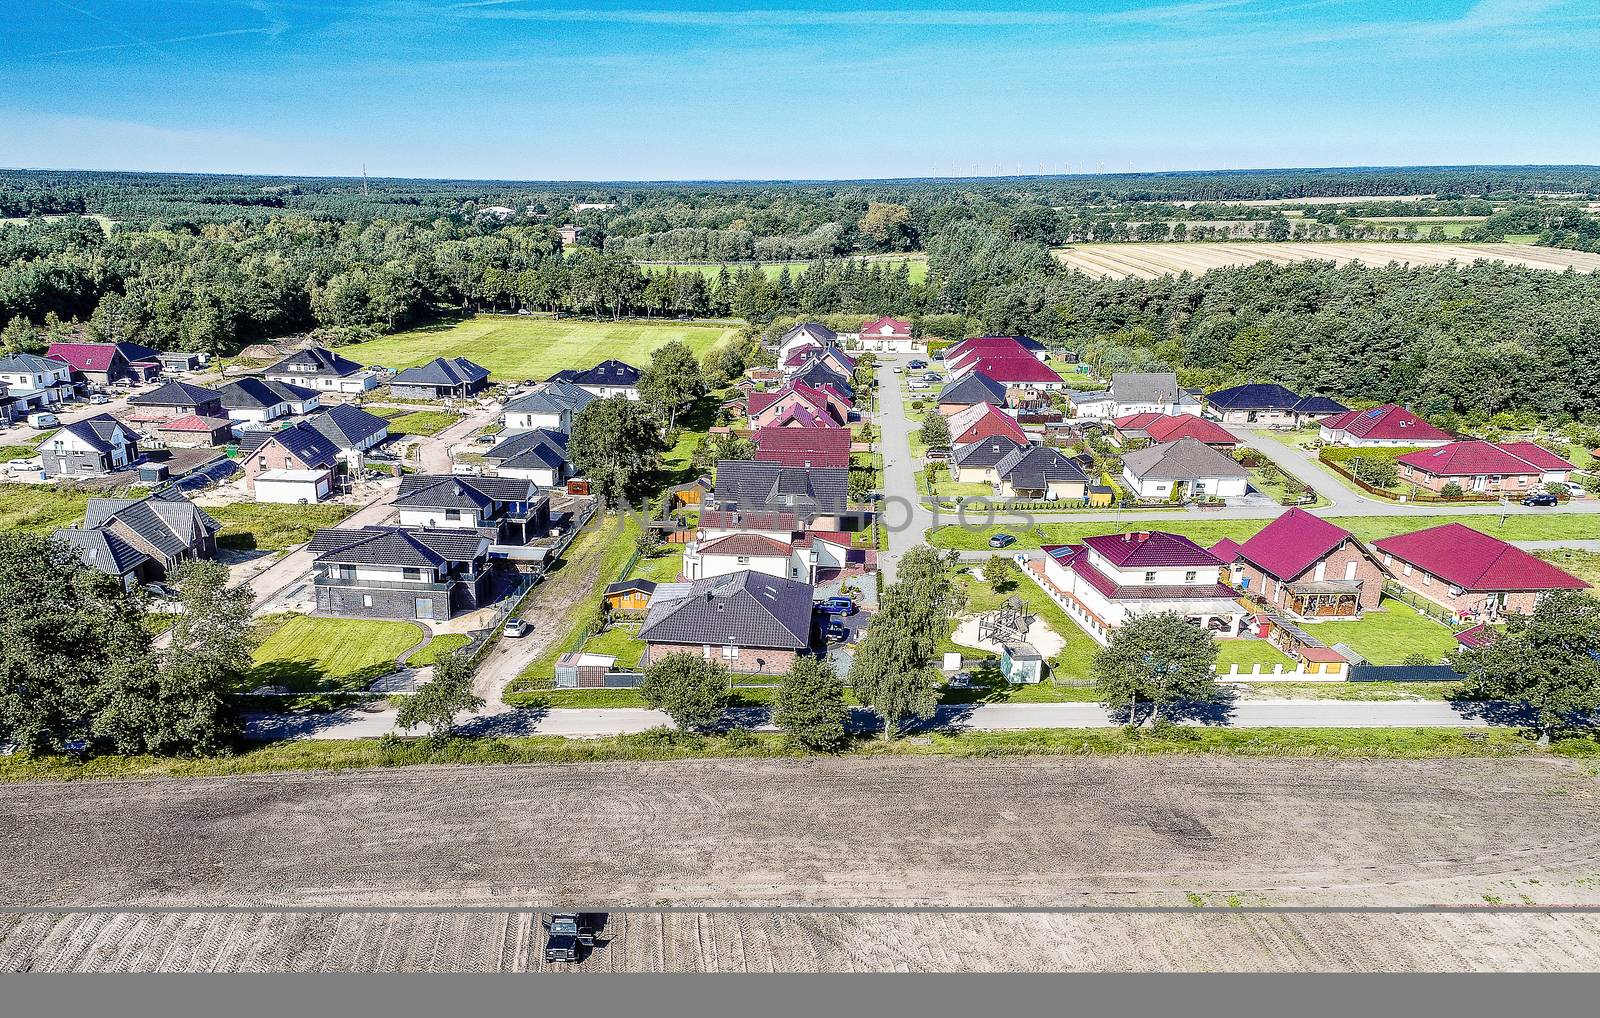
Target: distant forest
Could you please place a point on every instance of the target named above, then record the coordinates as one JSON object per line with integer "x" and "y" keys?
{"x": 214, "y": 263}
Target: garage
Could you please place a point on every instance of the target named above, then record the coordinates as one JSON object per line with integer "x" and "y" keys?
{"x": 294, "y": 486}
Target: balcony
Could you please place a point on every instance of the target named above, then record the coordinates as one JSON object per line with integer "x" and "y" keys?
{"x": 364, "y": 583}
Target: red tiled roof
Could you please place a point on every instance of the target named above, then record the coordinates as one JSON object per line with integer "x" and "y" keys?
{"x": 745, "y": 544}
{"x": 1012, "y": 369}
{"x": 1147, "y": 549}
{"x": 1476, "y": 457}
{"x": 1320, "y": 654}
{"x": 972, "y": 424}
{"x": 900, "y": 329}
{"x": 1072, "y": 558}
{"x": 84, "y": 356}
{"x": 800, "y": 447}
{"x": 1165, "y": 428}
{"x": 1472, "y": 560}
{"x": 1226, "y": 549}
{"x": 195, "y": 422}
{"x": 798, "y": 415}
{"x": 1292, "y": 543}
{"x": 1388, "y": 422}
{"x": 837, "y": 537}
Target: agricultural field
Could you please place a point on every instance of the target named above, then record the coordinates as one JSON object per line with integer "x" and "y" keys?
{"x": 1147, "y": 261}
{"x": 772, "y": 270}
{"x": 519, "y": 348}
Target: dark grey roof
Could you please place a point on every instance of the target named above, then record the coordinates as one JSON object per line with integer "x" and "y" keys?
{"x": 307, "y": 443}
{"x": 167, "y": 520}
{"x": 258, "y": 394}
{"x": 752, "y": 485}
{"x": 397, "y": 546}
{"x": 1182, "y": 460}
{"x": 319, "y": 360}
{"x": 1145, "y": 387}
{"x": 447, "y": 491}
{"x": 817, "y": 372}
{"x": 1319, "y": 405}
{"x": 1036, "y": 466}
{"x": 18, "y": 362}
{"x": 552, "y": 397}
{"x": 442, "y": 371}
{"x": 975, "y": 387}
{"x": 986, "y": 452}
{"x": 97, "y": 431}
{"x": 814, "y": 329}
{"x": 526, "y": 449}
{"x": 610, "y": 372}
{"x": 347, "y": 426}
{"x": 743, "y": 609}
{"x": 103, "y": 551}
{"x": 1254, "y": 396}
{"x": 623, "y": 586}
{"x": 176, "y": 394}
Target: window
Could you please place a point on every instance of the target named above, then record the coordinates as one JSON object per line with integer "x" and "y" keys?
{"x": 347, "y": 572}
{"x": 1190, "y": 576}
{"x": 1407, "y": 570}
{"x": 366, "y": 600}
{"x": 743, "y": 560}
{"x": 1427, "y": 579}
{"x": 1150, "y": 576}
{"x": 452, "y": 514}
{"x": 413, "y": 572}
{"x": 730, "y": 652}
{"x": 261, "y": 461}
{"x": 705, "y": 651}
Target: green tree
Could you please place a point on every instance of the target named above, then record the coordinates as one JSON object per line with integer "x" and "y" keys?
{"x": 1000, "y": 573}
{"x": 691, "y": 690}
{"x": 892, "y": 670}
{"x": 723, "y": 445}
{"x": 437, "y": 701}
{"x": 1161, "y": 659}
{"x": 1548, "y": 659}
{"x": 811, "y": 711}
{"x": 936, "y": 431}
{"x": 615, "y": 443}
{"x": 672, "y": 381}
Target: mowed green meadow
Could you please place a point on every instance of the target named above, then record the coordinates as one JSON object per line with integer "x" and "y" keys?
{"x": 515, "y": 348}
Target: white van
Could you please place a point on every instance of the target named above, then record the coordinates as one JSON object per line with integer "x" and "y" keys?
{"x": 40, "y": 421}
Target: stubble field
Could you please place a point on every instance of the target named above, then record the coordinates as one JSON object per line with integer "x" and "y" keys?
{"x": 1147, "y": 261}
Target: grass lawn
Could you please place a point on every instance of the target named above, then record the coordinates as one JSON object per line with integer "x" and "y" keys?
{"x": 40, "y": 508}
{"x": 307, "y": 654}
{"x": 1349, "y": 690}
{"x": 440, "y": 646}
{"x": 1585, "y": 565}
{"x": 269, "y": 527}
{"x": 1071, "y": 663}
{"x": 514, "y": 347}
{"x": 662, "y": 568}
{"x": 415, "y": 422}
{"x": 606, "y": 547}
{"x": 1552, "y": 526}
{"x": 1246, "y": 653}
{"x": 1387, "y": 636}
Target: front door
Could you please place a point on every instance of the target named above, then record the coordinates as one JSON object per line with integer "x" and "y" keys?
{"x": 425, "y": 608}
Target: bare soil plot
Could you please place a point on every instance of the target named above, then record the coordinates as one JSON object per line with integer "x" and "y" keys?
{"x": 802, "y": 942}
{"x": 823, "y": 833}
{"x": 1147, "y": 261}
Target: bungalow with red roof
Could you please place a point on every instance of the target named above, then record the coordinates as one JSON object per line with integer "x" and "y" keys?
{"x": 1158, "y": 429}
{"x": 195, "y": 431}
{"x": 1015, "y": 367}
{"x": 105, "y": 363}
{"x": 984, "y": 420}
{"x": 1388, "y": 424}
{"x": 1476, "y": 576}
{"x": 1107, "y": 580}
{"x": 1307, "y": 568}
{"x": 996, "y": 344}
{"x": 1494, "y": 468}
{"x": 888, "y": 335}
{"x": 804, "y": 447}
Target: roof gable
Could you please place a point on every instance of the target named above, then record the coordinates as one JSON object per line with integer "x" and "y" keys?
{"x": 1472, "y": 560}
{"x": 1292, "y": 543}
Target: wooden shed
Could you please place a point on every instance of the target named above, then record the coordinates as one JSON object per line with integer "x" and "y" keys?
{"x": 629, "y": 595}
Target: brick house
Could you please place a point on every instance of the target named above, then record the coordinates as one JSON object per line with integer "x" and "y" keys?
{"x": 141, "y": 540}
{"x": 178, "y": 399}
{"x": 300, "y": 448}
{"x": 748, "y": 621}
{"x": 1386, "y": 425}
{"x": 1494, "y": 468}
{"x": 1306, "y": 567}
{"x": 1476, "y": 576}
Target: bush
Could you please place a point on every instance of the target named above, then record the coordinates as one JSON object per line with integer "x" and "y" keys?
{"x": 1451, "y": 490}
{"x": 691, "y": 690}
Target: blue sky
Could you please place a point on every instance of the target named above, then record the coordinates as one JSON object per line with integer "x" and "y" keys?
{"x": 644, "y": 89}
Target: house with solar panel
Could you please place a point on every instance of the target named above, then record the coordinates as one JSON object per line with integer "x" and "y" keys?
{"x": 141, "y": 540}
{"x": 291, "y": 465}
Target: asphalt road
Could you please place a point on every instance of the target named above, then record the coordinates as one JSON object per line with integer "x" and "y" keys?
{"x": 905, "y": 517}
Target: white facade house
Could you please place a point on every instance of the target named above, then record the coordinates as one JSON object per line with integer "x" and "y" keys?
{"x": 888, "y": 335}
{"x": 802, "y": 558}
{"x": 291, "y": 487}
{"x": 323, "y": 370}
{"x": 35, "y": 381}
{"x": 1107, "y": 580}
{"x": 1187, "y": 468}
{"x": 1136, "y": 392}
{"x": 805, "y": 336}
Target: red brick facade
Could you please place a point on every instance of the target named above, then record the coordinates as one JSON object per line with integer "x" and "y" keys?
{"x": 270, "y": 456}
{"x": 1439, "y": 591}
{"x": 1349, "y": 561}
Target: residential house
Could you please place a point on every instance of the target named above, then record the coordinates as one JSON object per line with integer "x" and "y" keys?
{"x": 393, "y": 573}
{"x": 440, "y": 378}
{"x": 888, "y": 335}
{"x": 568, "y": 234}
{"x": 551, "y": 406}
{"x": 765, "y": 408}
{"x": 256, "y": 400}
{"x": 1386, "y": 425}
{"x": 1269, "y": 405}
{"x": 140, "y": 540}
{"x": 970, "y": 389}
{"x": 322, "y": 369}
{"x": 1187, "y": 468}
{"x": 805, "y": 336}
{"x": 821, "y": 373}
{"x": 507, "y": 510}
{"x": 288, "y": 465}
{"x": 538, "y": 455}
{"x": 1107, "y": 580}
{"x": 1492, "y": 468}
{"x": 975, "y": 462}
{"x": 818, "y": 495}
{"x": 1306, "y": 568}
{"x": 177, "y": 399}
{"x": 604, "y": 380}
{"x": 31, "y": 383}
{"x": 176, "y": 361}
{"x": 1038, "y": 472}
{"x": 350, "y": 428}
{"x": 629, "y": 595}
{"x": 813, "y": 556}
{"x": 748, "y": 621}
{"x": 106, "y": 363}
{"x": 194, "y": 432}
{"x": 92, "y": 447}
{"x": 984, "y": 420}
{"x": 1478, "y": 577}
{"x": 1136, "y": 392}
{"x": 1159, "y": 429}
{"x": 828, "y": 358}
{"x": 804, "y": 447}
{"x": 978, "y": 345}
{"x": 1005, "y": 361}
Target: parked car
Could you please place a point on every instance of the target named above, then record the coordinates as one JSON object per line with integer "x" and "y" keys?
{"x": 517, "y": 628}
{"x": 898, "y": 369}
{"x": 1002, "y": 541}
{"x": 485, "y": 439}
{"x": 566, "y": 936}
{"x": 99, "y": 397}
{"x": 919, "y": 364}
{"x": 837, "y": 606}
{"x": 1577, "y": 490}
{"x": 833, "y": 629}
{"x": 1540, "y": 498}
{"x": 933, "y": 376}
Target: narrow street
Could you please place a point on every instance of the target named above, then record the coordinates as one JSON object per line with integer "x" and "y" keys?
{"x": 905, "y": 518}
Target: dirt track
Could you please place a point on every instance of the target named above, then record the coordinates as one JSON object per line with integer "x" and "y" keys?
{"x": 1089, "y": 831}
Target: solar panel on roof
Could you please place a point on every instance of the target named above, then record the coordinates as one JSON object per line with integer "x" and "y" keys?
{"x": 1376, "y": 411}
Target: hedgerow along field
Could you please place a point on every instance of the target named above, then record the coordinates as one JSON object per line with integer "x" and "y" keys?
{"x": 516, "y": 348}
{"x": 917, "y": 266}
